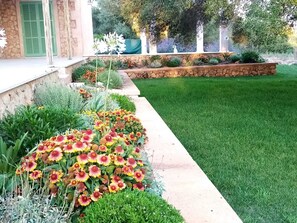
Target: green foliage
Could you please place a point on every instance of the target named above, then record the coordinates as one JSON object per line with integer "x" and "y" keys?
{"x": 250, "y": 57}
{"x": 100, "y": 63}
{"x": 124, "y": 102}
{"x": 115, "y": 81}
{"x": 38, "y": 123}
{"x": 198, "y": 62}
{"x": 115, "y": 65}
{"x": 58, "y": 96}
{"x": 32, "y": 206}
{"x": 155, "y": 57}
{"x": 155, "y": 64}
{"x": 80, "y": 71}
{"x": 213, "y": 61}
{"x": 235, "y": 58}
{"x": 110, "y": 11}
{"x": 97, "y": 102}
{"x": 174, "y": 62}
{"x": 133, "y": 207}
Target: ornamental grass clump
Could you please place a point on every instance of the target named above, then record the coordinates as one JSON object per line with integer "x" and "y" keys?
{"x": 111, "y": 79}
{"x": 173, "y": 62}
{"x": 131, "y": 206}
{"x": 84, "y": 165}
{"x": 124, "y": 102}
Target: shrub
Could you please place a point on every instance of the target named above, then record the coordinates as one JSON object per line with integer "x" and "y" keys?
{"x": 128, "y": 63}
{"x": 124, "y": 102}
{"x": 198, "y": 62}
{"x": 174, "y": 62}
{"x": 235, "y": 58}
{"x": 131, "y": 206}
{"x": 156, "y": 64}
{"x": 100, "y": 63}
{"x": 80, "y": 71}
{"x": 89, "y": 163}
{"x": 30, "y": 205}
{"x": 97, "y": 102}
{"x": 204, "y": 58}
{"x": 213, "y": 61}
{"x": 155, "y": 57}
{"x": 89, "y": 78}
{"x": 115, "y": 65}
{"x": 115, "y": 81}
{"x": 38, "y": 123}
{"x": 250, "y": 57}
{"x": 58, "y": 96}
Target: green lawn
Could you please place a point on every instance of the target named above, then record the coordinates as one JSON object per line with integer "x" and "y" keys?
{"x": 242, "y": 132}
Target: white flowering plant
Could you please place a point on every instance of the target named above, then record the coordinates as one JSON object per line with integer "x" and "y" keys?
{"x": 3, "y": 38}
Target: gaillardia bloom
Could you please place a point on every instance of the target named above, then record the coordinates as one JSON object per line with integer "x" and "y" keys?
{"x": 93, "y": 157}
{"x": 56, "y": 155}
{"x": 132, "y": 162}
{"x": 60, "y": 139}
{"x": 94, "y": 171}
{"x": 79, "y": 146}
{"x": 82, "y": 158}
{"x": 138, "y": 186}
{"x": 36, "y": 174}
{"x": 96, "y": 195}
{"x": 29, "y": 165}
{"x": 119, "y": 161}
{"x": 69, "y": 148}
{"x": 113, "y": 187}
{"x": 138, "y": 176}
{"x": 119, "y": 150}
{"x": 103, "y": 160}
{"x": 56, "y": 176}
{"x": 84, "y": 200}
{"x": 128, "y": 170}
{"x": 82, "y": 176}
{"x": 121, "y": 185}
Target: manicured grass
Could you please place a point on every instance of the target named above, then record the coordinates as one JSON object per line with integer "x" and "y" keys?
{"x": 242, "y": 132}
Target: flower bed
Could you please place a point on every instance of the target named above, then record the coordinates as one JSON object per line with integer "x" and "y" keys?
{"x": 226, "y": 70}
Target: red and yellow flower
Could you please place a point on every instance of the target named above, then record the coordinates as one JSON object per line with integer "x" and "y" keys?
{"x": 55, "y": 176}
{"x": 93, "y": 157}
{"x": 128, "y": 170}
{"x": 87, "y": 138}
{"x": 82, "y": 158}
{"x": 119, "y": 150}
{"x": 82, "y": 176}
{"x": 60, "y": 139}
{"x": 73, "y": 183}
{"x": 102, "y": 148}
{"x": 138, "y": 186}
{"x": 36, "y": 174}
{"x": 96, "y": 195}
{"x": 79, "y": 146}
{"x": 103, "y": 160}
{"x": 56, "y": 155}
{"x": 113, "y": 188}
{"x": 132, "y": 162}
{"x": 84, "y": 200}
{"x": 121, "y": 185}
{"x": 69, "y": 148}
{"x": 94, "y": 171}
{"x": 119, "y": 161}
{"x": 29, "y": 165}
{"x": 138, "y": 176}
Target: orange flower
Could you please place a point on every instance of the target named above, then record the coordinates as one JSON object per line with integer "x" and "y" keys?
{"x": 94, "y": 171}
{"x": 69, "y": 148}
{"x": 132, "y": 136}
{"x": 73, "y": 183}
{"x": 128, "y": 170}
{"x": 119, "y": 149}
{"x": 76, "y": 166}
{"x": 82, "y": 158}
{"x": 102, "y": 148}
{"x": 56, "y": 155}
{"x": 138, "y": 186}
{"x": 36, "y": 174}
{"x": 103, "y": 160}
{"x": 79, "y": 146}
{"x": 30, "y": 165}
{"x": 82, "y": 176}
{"x": 84, "y": 200}
{"x": 93, "y": 156}
{"x": 113, "y": 187}
{"x": 119, "y": 161}
{"x": 131, "y": 161}
{"x": 96, "y": 195}
{"x": 19, "y": 171}
{"x": 138, "y": 134}
{"x": 56, "y": 176}
{"x": 138, "y": 176}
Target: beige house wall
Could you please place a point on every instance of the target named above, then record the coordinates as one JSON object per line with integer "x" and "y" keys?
{"x": 81, "y": 28}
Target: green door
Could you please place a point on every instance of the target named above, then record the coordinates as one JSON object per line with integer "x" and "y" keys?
{"x": 33, "y": 29}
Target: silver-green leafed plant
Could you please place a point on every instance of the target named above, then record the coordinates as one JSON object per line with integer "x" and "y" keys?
{"x": 97, "y": 102}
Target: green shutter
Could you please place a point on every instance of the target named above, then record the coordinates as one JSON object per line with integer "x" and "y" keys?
{"x": 33, "y": 29}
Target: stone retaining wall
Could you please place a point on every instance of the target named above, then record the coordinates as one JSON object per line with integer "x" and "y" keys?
{"x": 142, "y": 60}
{"x": 226, "y": 70}
{"x": 23, "y": 94}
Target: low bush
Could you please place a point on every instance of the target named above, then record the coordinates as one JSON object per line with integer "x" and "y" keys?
{"x": 38, "y": 122}
{"x": 174, "y": 62}
{"x": 155, "y": 57}
{"x": 58, "y": 96}
{"x": 156, "y": 64}
{"x": 80, "y": 71}
{"x": 235, "y": 58}
{"x": 198, "y": 62}
{"x": 204, "y": 58}
{"x": 98, "y": 62}
{"x": 115, "y": 65}
{"x": 133, "y": 207}
{"x": 250, "y": 57}
{"x": 97, "y": 102}
{"x": 115, "y": 80}
{"x": 124, "y": 102}
{"x": 213, "y": 61}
